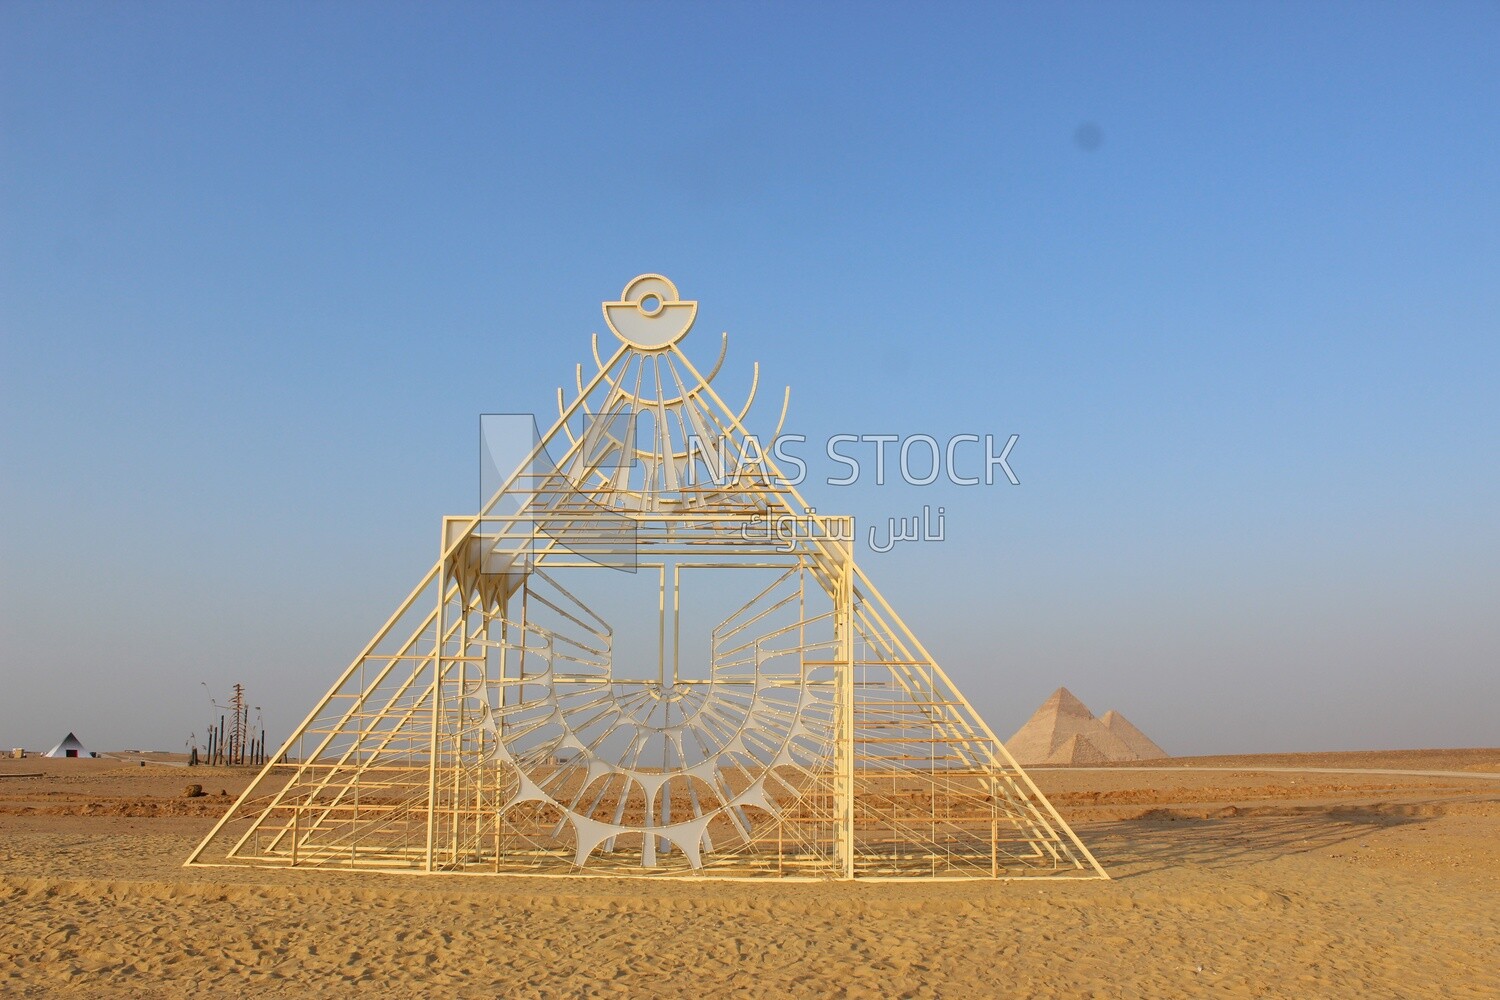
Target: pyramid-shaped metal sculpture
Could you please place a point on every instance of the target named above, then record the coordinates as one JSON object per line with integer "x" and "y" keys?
{"x": 646, "y": 655}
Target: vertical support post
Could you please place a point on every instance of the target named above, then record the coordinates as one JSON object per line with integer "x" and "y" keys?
{"x": 497, "y": 774}
{"x": 676, "y": 621}
{"x": 844, "y": 687}
{"x": 482, "y": 685}
{"x": 661, "y": 628}
{"x": 458, "y": 729}
{"x": 994, "y": 789}
{"x": 437, "y": 706}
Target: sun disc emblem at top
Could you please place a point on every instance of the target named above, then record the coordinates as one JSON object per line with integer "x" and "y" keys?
{"x": 650, "y": 315}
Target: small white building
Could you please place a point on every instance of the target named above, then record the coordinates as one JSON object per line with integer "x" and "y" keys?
{"x": 69, "y": 747}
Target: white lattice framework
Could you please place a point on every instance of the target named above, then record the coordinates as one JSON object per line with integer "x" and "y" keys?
{"x": 500, "y": 723}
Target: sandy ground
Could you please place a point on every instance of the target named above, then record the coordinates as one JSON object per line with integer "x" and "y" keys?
{"x": 1229, "y": 882}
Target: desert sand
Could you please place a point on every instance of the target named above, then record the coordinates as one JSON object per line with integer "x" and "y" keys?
{"x": 1230, "y": 879}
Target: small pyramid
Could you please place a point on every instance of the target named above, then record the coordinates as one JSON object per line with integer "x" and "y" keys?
{"x": 70, "y": 746}
{"x": 1142, "y": 745}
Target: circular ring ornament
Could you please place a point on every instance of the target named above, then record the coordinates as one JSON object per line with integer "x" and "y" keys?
{"x": 648, "y": 327}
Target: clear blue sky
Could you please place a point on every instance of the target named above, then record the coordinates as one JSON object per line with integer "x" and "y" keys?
{"x": 1231, "y": 271}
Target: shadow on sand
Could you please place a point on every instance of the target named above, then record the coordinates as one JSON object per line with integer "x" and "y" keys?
{"x": 1166, "y": 838}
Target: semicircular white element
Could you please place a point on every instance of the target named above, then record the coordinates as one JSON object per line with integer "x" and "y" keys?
{"x": 650, "y": 315}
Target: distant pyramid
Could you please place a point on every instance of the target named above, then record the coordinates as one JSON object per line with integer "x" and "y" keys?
{"x": 1141, "y": 744}
{"x": 1064, "y": 731}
